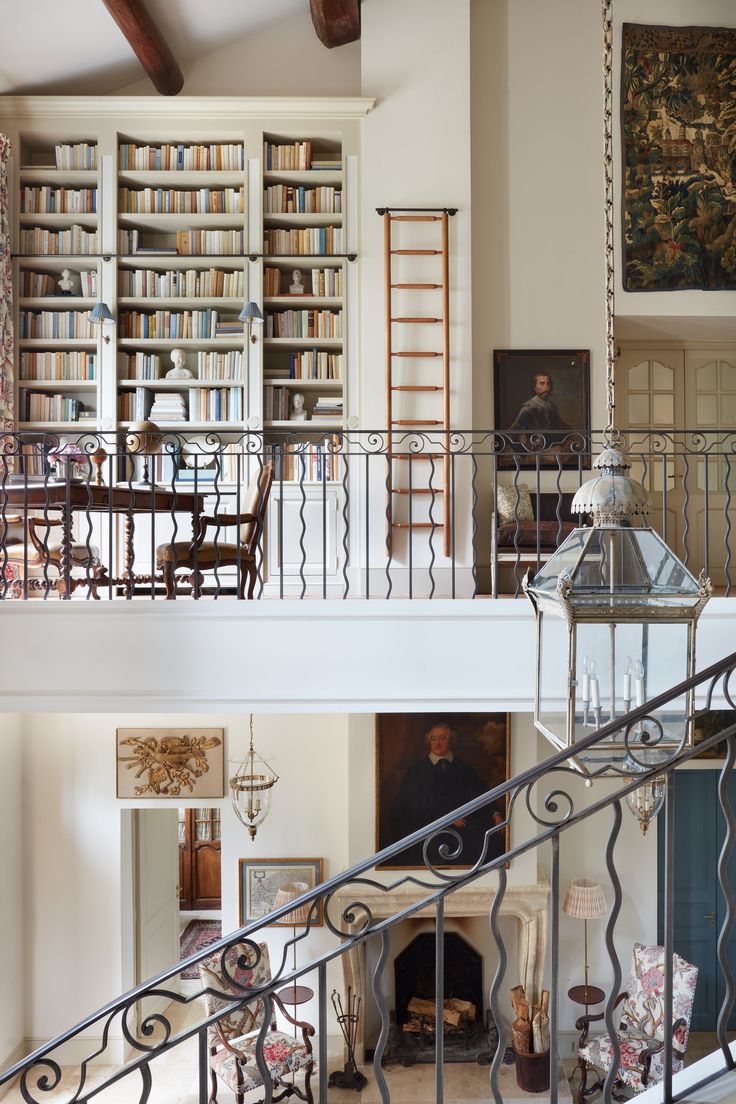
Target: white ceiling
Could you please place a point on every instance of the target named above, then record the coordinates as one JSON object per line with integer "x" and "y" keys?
{"x": 61, "y": 45}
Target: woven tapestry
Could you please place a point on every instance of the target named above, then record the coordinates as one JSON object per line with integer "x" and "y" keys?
{"x": 678, "y": 88}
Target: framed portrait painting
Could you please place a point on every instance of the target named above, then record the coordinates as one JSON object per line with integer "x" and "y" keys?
{"x": 428, "y": 764}
{"x": 170, "y": 762}
{"x": 259, "y": 880}
{"x": 542, "y": 402}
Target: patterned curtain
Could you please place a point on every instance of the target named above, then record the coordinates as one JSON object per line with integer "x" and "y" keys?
{"x": 7, "y": 402}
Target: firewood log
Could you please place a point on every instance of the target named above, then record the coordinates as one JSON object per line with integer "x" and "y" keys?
{"x": 517, "y": 994}
{"x": 521, "y": 1031}
{"x": 419, "y": 1007}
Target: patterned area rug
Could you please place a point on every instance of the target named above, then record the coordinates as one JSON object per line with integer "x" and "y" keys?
{"x": 197, "y": 935}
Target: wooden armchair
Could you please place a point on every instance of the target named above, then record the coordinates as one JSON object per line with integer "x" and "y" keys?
{"x": 233, "y": 1038}
{"x": 30, "y": 561}
{"x": 641, "y": 1030}
{"x": 200, "y": 555}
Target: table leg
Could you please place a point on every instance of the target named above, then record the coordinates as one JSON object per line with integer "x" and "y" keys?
{"x": 65, "y": 556}
{"x": 128, "y": 556}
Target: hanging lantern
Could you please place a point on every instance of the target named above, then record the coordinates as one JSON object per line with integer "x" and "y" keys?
{"x": 616, "y": 610}
{"x": 251, "y": 787}
{"x": 616, "y": 618}
{"x": 646, "y": 801}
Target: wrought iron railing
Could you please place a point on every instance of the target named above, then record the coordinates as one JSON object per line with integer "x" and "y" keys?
{"x": 539, "y": 807}
{"x": 98, "y": 527}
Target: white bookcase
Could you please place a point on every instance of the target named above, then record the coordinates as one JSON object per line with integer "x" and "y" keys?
{"x": 176, "y": 242}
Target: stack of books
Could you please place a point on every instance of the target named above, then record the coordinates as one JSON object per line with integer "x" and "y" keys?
{"x": 327, "y": 407}
{"x": 228, "y": 328}
{"x": 169, "y": 407}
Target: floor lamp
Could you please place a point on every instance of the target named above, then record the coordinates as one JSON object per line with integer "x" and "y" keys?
{"x": 294, "y": 994}
{"x": 585, "y": 901}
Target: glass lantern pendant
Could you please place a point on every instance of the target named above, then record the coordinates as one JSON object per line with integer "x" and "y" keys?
{"x": 616, "y": 618}
{"x": 251, "y": 787}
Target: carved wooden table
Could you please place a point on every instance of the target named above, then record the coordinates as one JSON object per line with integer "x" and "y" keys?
{"x": 71, "y": 497}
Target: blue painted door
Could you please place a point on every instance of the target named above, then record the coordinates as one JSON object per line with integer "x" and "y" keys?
{"x": 698, "y": 903}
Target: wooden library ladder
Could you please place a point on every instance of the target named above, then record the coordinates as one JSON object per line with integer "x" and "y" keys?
{"x": 395, "y": 317}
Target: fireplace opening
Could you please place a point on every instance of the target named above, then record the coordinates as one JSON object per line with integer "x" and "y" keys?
{"x": 468, "y": 1031}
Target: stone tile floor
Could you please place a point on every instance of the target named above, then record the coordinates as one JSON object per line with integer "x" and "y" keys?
{"x": 175, "y": 1081}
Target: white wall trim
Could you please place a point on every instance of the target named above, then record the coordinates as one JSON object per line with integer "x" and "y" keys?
{"x": 311, "y": 107}
{"x": 18, "y": 1052}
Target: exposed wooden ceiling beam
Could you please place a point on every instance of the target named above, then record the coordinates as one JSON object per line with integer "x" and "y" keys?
{"x": 148, "y": 44}
{"x": 336, "y": 22}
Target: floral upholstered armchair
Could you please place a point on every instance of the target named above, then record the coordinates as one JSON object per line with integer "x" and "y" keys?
{"x": 641, "y": 1031}
{"x": 233, "y": 1038}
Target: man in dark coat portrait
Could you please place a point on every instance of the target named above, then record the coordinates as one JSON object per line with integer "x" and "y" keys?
{"x": 433, "y": 787}
{"x": 540, "y": 413}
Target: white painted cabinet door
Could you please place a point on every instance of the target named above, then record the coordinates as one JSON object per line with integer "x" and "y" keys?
{"x": 157, "y": 913}
{"x": 304, "y": 535}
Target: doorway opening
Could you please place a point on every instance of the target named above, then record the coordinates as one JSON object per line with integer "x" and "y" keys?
{"x": 200, "y": 883}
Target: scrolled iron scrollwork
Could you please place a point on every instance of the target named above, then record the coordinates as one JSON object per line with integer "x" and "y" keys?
{"x": 44, "y": 1081}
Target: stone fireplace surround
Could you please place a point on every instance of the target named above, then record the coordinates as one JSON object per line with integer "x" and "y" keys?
{"x": 528, "y": 903}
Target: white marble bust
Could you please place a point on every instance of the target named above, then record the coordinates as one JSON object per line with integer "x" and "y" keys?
{"x": 296, "y": 287}
{"x": 298, "y": 413}
{"x": 178, "y": 371}
{"x": 66, "y": 283}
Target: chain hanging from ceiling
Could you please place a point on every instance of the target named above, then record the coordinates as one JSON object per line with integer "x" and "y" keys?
{"x": 612, "y": 435}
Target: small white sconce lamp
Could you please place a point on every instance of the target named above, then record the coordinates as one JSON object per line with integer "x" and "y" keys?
{"x": 251, "y": 314}
{"x": 98, "y": 316}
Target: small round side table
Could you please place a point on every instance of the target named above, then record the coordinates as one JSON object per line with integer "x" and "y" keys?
{"x": 586, "y": 995}
{"x": 295, "y": 994}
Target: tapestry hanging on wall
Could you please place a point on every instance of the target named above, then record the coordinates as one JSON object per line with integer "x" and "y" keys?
{"x": 678, "y": 111}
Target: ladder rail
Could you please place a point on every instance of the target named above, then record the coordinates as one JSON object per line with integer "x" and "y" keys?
{"x": 439, "y": 215}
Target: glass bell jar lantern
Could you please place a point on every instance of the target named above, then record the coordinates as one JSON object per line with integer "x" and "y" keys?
{"x": 616, "y": 616}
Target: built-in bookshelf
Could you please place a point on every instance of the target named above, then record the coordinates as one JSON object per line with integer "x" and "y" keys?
{"x": 303, "y": 295}
{"x": 57, "y": 282}
{"x": 181, "y": 212}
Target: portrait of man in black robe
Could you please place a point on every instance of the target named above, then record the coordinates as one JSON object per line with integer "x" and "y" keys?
{"x": 442, "y": 779}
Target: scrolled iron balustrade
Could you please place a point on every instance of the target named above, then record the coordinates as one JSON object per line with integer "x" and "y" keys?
{"x": 339, "y": 487}
{"x": 350, "y": 916}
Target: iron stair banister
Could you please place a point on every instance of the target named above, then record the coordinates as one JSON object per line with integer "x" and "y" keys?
{"x": 445, "y": 882}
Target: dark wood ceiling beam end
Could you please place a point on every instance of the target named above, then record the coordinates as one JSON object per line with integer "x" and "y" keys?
{"x": 336, "y": 22}
{"x": 148, "y": 44}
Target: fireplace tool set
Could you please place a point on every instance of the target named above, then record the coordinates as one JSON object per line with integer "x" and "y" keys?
{"x": 348, "y": 1016}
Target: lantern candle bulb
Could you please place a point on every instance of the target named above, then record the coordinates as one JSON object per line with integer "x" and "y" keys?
{"x": 595, "y": 692}
{"x": 639, "y": 682}
{"x": 627, "y": 684}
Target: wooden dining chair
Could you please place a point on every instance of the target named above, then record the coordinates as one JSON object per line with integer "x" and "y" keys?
{"x": 200, "y": 555}
{"x": 33, "y": 553}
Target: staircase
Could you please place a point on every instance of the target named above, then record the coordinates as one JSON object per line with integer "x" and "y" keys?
{"x": 367, "y": 902}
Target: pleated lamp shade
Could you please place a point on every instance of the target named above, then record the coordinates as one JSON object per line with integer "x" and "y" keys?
{"x": 288, "y": 893}
{"x": 585, "y": 900}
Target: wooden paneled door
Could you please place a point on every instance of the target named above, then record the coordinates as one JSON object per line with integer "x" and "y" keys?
{"x": 659, "y": 390}
{"x": 199, "y": 859}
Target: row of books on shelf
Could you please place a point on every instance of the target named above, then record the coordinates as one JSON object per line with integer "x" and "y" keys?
{"x": 287, "y": 156}
{"x": 177, "y": 324}
{"x": 76, "y": 155}
{"x": 190, "y": 283}
{"x": 55, "y": 242}
{"x": 296, "y": 242}
{"x": 55, "y": 324}
{"x": 300, "y": 461}
{"x": 186, "y": 243}
{"x": 210, "y": 366}
{"x": 175, "y": 201}
{"x": 308, "y": 364}
{"x": 218, "y": 156}
{"x": 304, "y": 323}
{"x": 38, "y": 285}
{"x": 38, "y": 407}
{"x": 76, "y": 365}
{"x": 44, "y": 199}
{"x": 296, "y": 199}
{"x": 325, "y": 282}
{"x": 204, "y": 404}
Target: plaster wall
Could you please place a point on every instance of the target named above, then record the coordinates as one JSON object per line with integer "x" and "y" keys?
{"x": 416, "y": 153}
{"x": 77, "y": 953}
{"x": 12, "y": 994}
{"x": 282, "y": 59}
